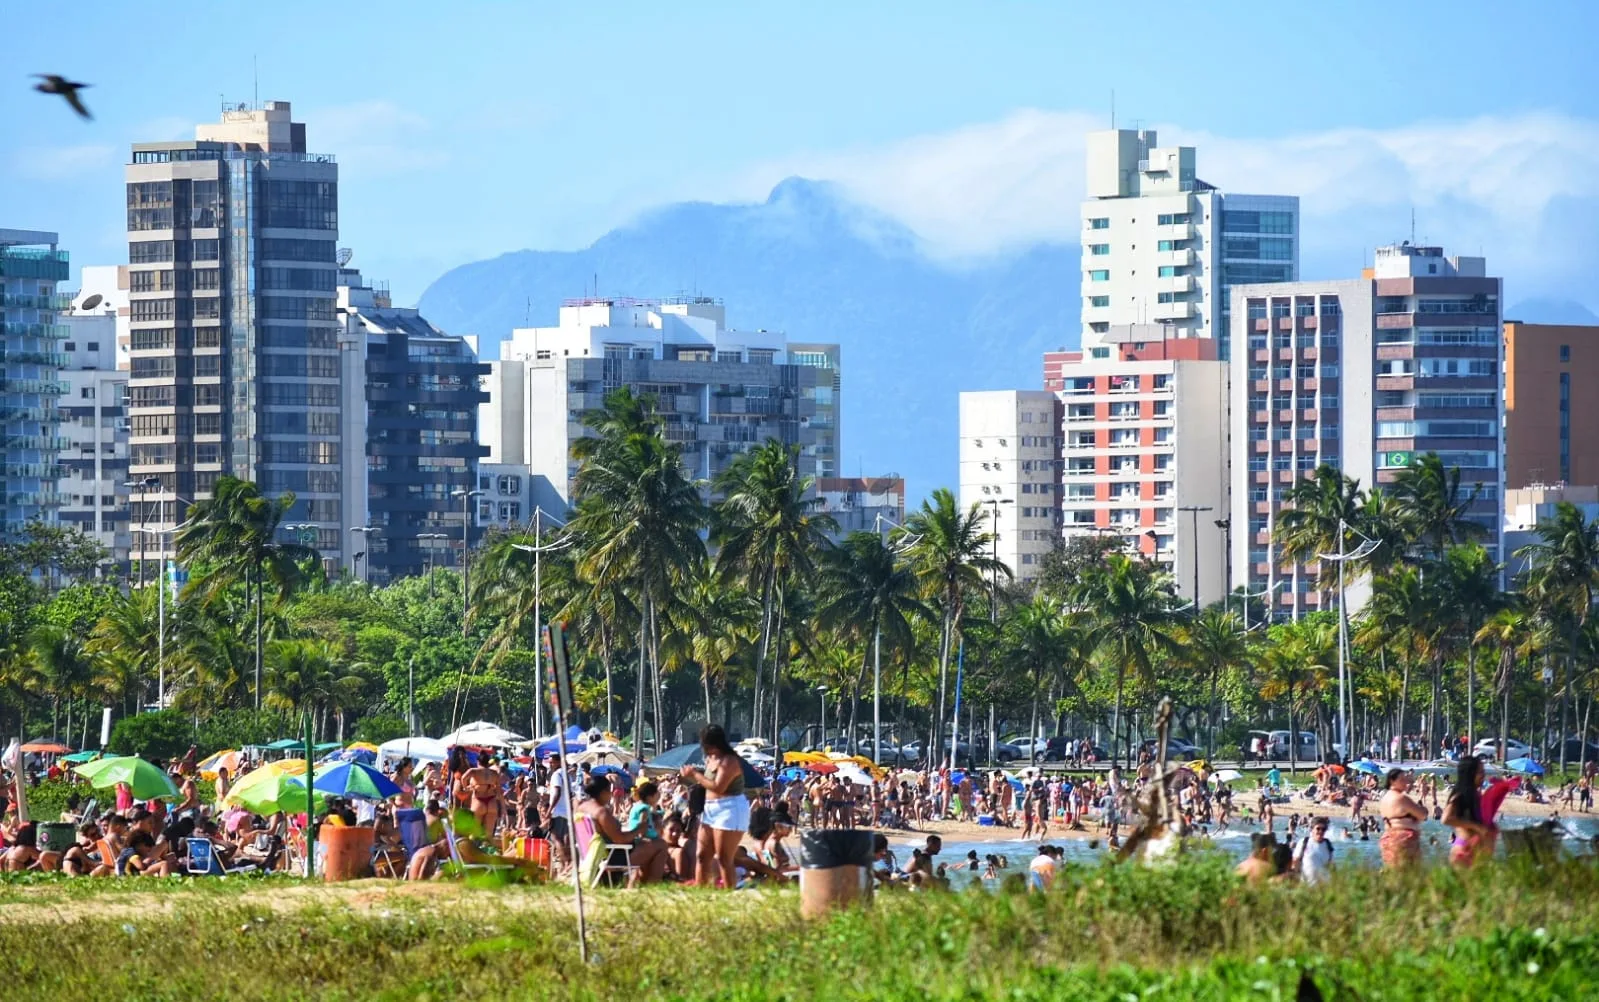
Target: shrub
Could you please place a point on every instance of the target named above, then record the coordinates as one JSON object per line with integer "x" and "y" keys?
{"x": 159, "y": 735}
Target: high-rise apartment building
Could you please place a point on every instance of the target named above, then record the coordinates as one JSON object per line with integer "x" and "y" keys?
{"x": 94, "y": 429}
{"x": 719, "y": 391}
{"x": 1010, "y": 466}
{"x": 31, "y": 333}
{"x": 1551, "y": 409}
{"x": 856, "y": 503}
{"x": 827, "y": 420}
{"x": 1144, "y": 442}
{"x": 234, "y": 354}
{"x": 411, "y": 399}
{"x": 1160, "y": 245}
{"x": 1364, "y": 375}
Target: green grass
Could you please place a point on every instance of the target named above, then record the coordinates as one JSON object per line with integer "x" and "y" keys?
{"x": 1104, "y": 933}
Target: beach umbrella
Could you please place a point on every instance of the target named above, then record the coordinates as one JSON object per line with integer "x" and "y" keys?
{"x": 352, "y": 779}
{"x": 418, "y": 749}
{"x": 362, "y": 746}
{"x": 1227, "y": 776}
{"x": 147, "y": 780}
{"x": 365, "y": 756}
{"x": 482, "y": 734}
{"x": 276, "y": 787}
{"x": 1367, "y": 766}
{"x": 675, "y": 759}
{"x": 591, "y": 757}
{"x": 824, "y": 768}
{"x": 46, "y": 746}
{"x": 622, "y": 774}
{"x": 757, "y": 758}
{"x": 82, "y": 756}
{"x": 230, "y": 760}
{"x": 1525, "y": 765}
{"x": 803, "y": 757}
{"x": 1015, "y": 783}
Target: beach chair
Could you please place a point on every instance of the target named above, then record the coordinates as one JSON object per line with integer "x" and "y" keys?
{"x": 455, "y": 852}
{"x": 411, "y": 822}
{"x": 608, "y": 866}
{"x": 201, "y": 860}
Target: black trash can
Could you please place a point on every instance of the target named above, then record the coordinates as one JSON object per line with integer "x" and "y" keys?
{"x": 835, "y": 870}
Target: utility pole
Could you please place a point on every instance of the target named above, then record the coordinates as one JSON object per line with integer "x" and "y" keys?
{"x": 1365, "y": 549}
{"x": 466, "y": 495}
{"x": 1193, "y": 510}
{"x": 537, "y": 549}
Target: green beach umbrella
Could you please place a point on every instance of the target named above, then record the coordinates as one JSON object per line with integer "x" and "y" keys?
{"x": 81, "y": 756}
{"x": 146, "y": 779}
{"x": 278, "y": 787}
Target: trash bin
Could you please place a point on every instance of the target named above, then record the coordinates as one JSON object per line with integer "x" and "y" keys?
{"x": 835, "y": 870}
{"x": 347, "y": 852}
{"x": 56, "y": 836}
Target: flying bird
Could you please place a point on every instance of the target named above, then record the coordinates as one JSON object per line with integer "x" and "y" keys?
{"x": 56, "y": 84}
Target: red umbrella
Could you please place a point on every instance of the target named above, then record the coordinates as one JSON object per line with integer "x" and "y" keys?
{"x": 822, "y": 767}
{"x": 46, "y": 747}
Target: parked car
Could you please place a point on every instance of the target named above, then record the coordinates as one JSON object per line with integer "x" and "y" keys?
{"x": 1177, "y": 750}
{"x": 1308, "y": 750}
{"x": 1059, "y": 750}
{"x": 1029, "y": 748}
{"x": 1574, "y": 751}
{"x": 1489, "y": 748}
{"x": 916, "y": 751}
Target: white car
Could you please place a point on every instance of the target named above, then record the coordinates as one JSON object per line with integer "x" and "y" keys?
{"x": 1029, "y": 747}
{"x": 1489, "y": 748}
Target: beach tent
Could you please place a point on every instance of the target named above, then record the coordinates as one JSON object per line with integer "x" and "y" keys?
{"x": 418, "y": 749}
{"x": 692, "y": 754}
{"x": 482, "y": 734}
{"x": 576, "y": 741}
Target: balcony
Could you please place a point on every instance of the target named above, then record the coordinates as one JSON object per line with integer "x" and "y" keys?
{"x": 1177, "y": 283}
{"x": 1171, "y": 311}
{"x": 1175, "y": 231}
{"x": 1176, "y": 258}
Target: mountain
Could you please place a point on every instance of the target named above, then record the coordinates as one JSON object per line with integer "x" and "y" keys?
{"x": 811, "y": 263}
{"x": 1551, "y": 311}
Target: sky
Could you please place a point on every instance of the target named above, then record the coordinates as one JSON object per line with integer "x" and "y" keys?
{"x": 470, "y": 129}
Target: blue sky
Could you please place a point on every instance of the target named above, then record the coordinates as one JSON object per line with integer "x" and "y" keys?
{"x": 469, "y": 129}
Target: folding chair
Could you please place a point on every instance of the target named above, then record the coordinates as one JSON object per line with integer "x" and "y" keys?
{"x": 455, "y": 852}
{"x": 202, "y": 860}
{"x": 607, "y": 866}
{"x": 411, "y": 823}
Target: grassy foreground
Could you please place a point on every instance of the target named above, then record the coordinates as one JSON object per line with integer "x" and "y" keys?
{"x": 1104, "y": 933}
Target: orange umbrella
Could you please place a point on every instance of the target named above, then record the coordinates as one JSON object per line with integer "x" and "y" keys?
{"x": 822, "y": 767}
{"x": 46, "y": 747}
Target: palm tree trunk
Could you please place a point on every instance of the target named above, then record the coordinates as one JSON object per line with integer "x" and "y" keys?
{"x": 760, "y": 655}
{"x": 1507, "y": 663}
{"x": 855, "y": 705}
{"x": 935, "y": 749}
{"x": 655, "y": 668}
{"x": 258, "y": 635}
{"x": 1565, "y": 699}
{"x": 1293, "y": 732}
{"x": 1210, "y": 738}
{"x": 1404, "y": 705}
{"x": 777, "y": 670}
{"x": 638, "y": 692}
{"x": 1435, "y": 711}
{"x": 1116, "y": 721}
{"x": 1032, "y": 732}
{"x": 1471, "y": 696}
{"x": 705, "y": 680}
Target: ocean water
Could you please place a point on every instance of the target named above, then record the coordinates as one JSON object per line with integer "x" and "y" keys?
{"x": 1578, "y": 841}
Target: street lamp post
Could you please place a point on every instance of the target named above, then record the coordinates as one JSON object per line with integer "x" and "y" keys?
{"x": 1342, "y": 557}
{"x": 466, "y": 497}
{"x": 365, "y": 532}
{"x": 161, "y": 618}
{"x": 993, "y": 587}
{"x": 877, "y": 660}
{"x": 1193, "y": 510}
{"x": 538, "y": 613}
{"x": 431, "y": 537}
{"x": 144, "y": 487}
{"x": 1226, "y": 527}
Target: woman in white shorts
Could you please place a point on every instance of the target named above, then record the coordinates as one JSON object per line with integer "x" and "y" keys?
{"x": 727, "y": 810}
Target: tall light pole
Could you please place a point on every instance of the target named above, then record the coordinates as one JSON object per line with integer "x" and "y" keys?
{"x": 161, "y": 618}
{"x": 822, "y": 691}
{"x": 466, "y": 497}
{"x": 1226, "y": 527}
{"x": 993, "y": 586}
{"x": 538, "y": 613}
{"x": 1342, "y": 557}
{"x": 365, "y": 532}
{"x": 432, "y": 538}
{"x": 1193, "y": 510}
{"x": 144, "y": 487}
{"x": 877, "y": 652}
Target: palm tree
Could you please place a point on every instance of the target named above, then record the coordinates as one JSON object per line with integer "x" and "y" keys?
{"x": 1301, "y": 659}
{"x": 1514, "y": 631}
{"x": 1400, "y": 613}
{"x": 1041, "y": 638}
{"x": 234, "y": 535}
{"x": 1468, "y": 583}
{"x": 1213, "y": 643}
{"x": 124, "y": 645}
{"x": 65, "y": 670}
{"x": 303, "y": 677}
{"x": 768, "y": 529}
{"x": 1130, "y": 622}
{"x": 1563, "y": 578}
{"x": 639, "y": 516}
{"x": 949, "y": 551}
{"x": 1432, "y": 504}
{"x": 1316, "y": 513}
{"x": 868, "y": 592}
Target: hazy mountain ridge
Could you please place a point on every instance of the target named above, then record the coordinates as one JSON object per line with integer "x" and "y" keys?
{"x": 807, "y": 261}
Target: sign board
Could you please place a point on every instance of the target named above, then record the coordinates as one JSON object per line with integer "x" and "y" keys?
{"x": 555, "y": 649}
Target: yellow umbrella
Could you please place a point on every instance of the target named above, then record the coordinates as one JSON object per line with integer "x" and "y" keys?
{"x": 265, "y": 789}
{"x": 804, "y": 757}
{"x": 363, "y": 746}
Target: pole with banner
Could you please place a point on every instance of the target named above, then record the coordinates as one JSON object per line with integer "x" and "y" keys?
{"x": 310, "y": 808}
{"x": 560, "y": 697}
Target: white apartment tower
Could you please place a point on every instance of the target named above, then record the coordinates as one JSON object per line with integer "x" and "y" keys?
{"x": 94, "y": 430}
{"x": 1009, "y": 464}
{"x": 1160, "y": 246}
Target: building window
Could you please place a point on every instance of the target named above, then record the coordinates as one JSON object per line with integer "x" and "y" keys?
{"x": 1565, "y": 424}
{"x": 1565, "y": 353}
{"x": 1099, "y": 223}
{"x": 1099, "y": 302}
{"x": 1100, "y": 275}
{"x": 1098, "y": 249}
{"x": 1169, "y": 271}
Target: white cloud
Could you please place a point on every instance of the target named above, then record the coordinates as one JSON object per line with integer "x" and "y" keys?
{"x": 373, "y": 138}
{"x": 1484, "y": 183}
{"x": 59, "y": 163}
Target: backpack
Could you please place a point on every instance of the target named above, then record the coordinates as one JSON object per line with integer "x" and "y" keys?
{"x": 1304, "y": 845}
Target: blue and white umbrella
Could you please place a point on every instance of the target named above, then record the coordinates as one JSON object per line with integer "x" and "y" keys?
{"x": 1524, "y": 765}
